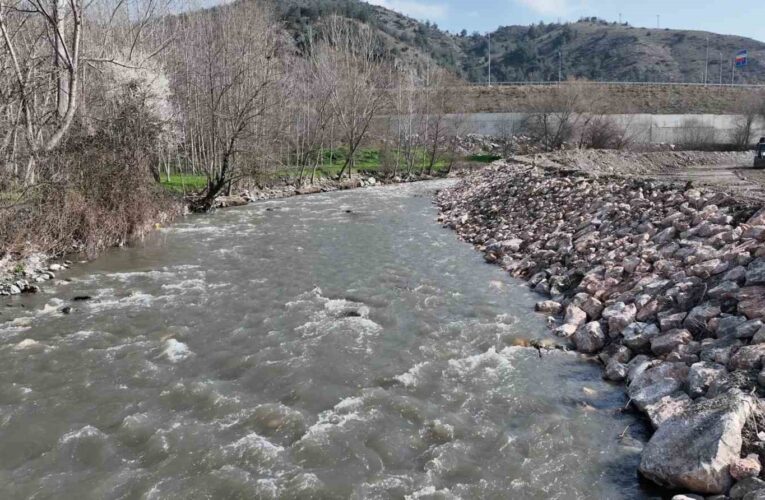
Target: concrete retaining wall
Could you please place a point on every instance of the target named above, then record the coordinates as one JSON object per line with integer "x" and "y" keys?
{"x": 643, "y": 128}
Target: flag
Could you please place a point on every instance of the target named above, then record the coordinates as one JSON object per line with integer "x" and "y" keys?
{"x": 742, "y": 57}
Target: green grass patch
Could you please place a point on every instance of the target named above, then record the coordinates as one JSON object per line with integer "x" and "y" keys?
{"x": 184, "y": 183}
{"x": 483, "y": 158}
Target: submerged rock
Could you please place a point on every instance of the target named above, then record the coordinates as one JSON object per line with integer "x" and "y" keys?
{"x": 694, "y": 450}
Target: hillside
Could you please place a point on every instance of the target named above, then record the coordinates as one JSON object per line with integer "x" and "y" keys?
{"x": 591, "y": 48}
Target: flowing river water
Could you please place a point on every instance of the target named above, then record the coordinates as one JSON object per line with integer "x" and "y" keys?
{"x": 339, "y": 345}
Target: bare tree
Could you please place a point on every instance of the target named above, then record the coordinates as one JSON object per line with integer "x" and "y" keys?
{"x": 228, "y": 68}
{"x": 355, "y": 72}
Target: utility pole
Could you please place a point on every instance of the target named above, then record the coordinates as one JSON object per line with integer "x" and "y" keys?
{"x": 560, "y": 65}
{"x": 489, "y": 59}
{"x": 706, "y": 64}
{"x": 732, "y": 71}
{"x": 721, "y": 64}
{"x": 658, "y": 21}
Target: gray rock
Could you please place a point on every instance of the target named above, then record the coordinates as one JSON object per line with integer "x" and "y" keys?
{"x": 755, "y": 273}
{"x": 743, "y": 488}
{"x": 702, "y": 375}
{"x": 590, "y": 305}
{"x": 759, "y": 337}
{"x": 616, "y": 371}
{"x": 687, "y": 497}
{"x": 727, "y": 326}
{"x": 693, "y": 451}
{"x": 666, "y": 343}
{"x": 574, "y": 316}
{"x": 620, "y": 353}
{"x": 619, "y": 316}
{"x": 549, "y": 307}
{"x": 752, "y": 302}
{"x": 743, "y": 380}
{"x": 736, "y": 275}
{"x": 654, "y": 383}
{"x": 696, "y": 321}
{"x": 749, "y": 329}
{"x": 747, "y": 358}
{"x": 638, "y": 336}
{"x": 744, "y": 468}
{"x": 667, "y": 407}
{"x": 725, "y": 290}
{"x": 589, "y": 338}
{"x": 672, "y": 321}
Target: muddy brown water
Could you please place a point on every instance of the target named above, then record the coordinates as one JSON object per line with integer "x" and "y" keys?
{"x": 339, "y": 345}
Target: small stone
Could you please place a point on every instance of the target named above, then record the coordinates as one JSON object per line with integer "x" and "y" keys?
{"x": 616, "y": 371}
{"x": 744, "y": 468}
{"x": 565, "y": 330}
{"x": 549, "y": 307}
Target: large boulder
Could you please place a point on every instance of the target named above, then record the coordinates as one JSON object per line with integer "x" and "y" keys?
{"x": 694, "y": 450}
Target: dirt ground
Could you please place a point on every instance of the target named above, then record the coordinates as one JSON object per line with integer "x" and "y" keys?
{"x": 731, "y": 172}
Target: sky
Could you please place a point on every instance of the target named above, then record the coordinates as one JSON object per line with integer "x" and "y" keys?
{"x": 731, "y": 17}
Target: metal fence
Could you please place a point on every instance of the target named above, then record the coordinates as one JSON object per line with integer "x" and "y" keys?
{"x": 638, "y": 84}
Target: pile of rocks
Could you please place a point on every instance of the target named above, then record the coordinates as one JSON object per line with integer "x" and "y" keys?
{"x": 665, "y": 286}
{"x": 475, "y": 144}
{"x": 27, "y": 280}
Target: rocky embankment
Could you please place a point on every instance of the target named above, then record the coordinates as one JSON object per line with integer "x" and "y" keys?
{"x": 664, "y": 286}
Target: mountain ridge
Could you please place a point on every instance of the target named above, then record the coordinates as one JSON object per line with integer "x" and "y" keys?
{"x": 590, "y": 48}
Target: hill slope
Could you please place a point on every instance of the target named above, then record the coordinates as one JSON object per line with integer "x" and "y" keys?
{"x": 591, "y": 48}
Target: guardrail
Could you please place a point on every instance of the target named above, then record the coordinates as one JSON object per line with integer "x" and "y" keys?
{"x": 637, "y": 84}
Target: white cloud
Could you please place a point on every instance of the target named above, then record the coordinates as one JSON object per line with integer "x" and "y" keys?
{"x": 418, "y": 10}
{"x": 547, "y": 7}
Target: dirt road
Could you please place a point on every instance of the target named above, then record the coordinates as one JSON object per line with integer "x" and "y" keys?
{"x": 731, "y": 172}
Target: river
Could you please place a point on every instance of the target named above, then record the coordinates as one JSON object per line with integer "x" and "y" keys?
{"x": 340, "y": 345}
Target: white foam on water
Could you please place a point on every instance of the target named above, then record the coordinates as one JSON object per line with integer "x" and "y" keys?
{"x": 86, "y": 432}
{"x": 430, "y": 491}
{"x": 257, "y": 443}
{"x": 344, "y": 412}
{"x": 176, "y": 351}
{"x": 189, "y": 284}
{"x": 28, "y": 344}
{"x": 412, "y": 377}
{"x": 490, "y": 361}
{"x": 107, "y": 301}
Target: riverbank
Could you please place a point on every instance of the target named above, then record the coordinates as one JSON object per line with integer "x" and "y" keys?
{"x": 20, "y": 274}
{"x": 664, "y": 285}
